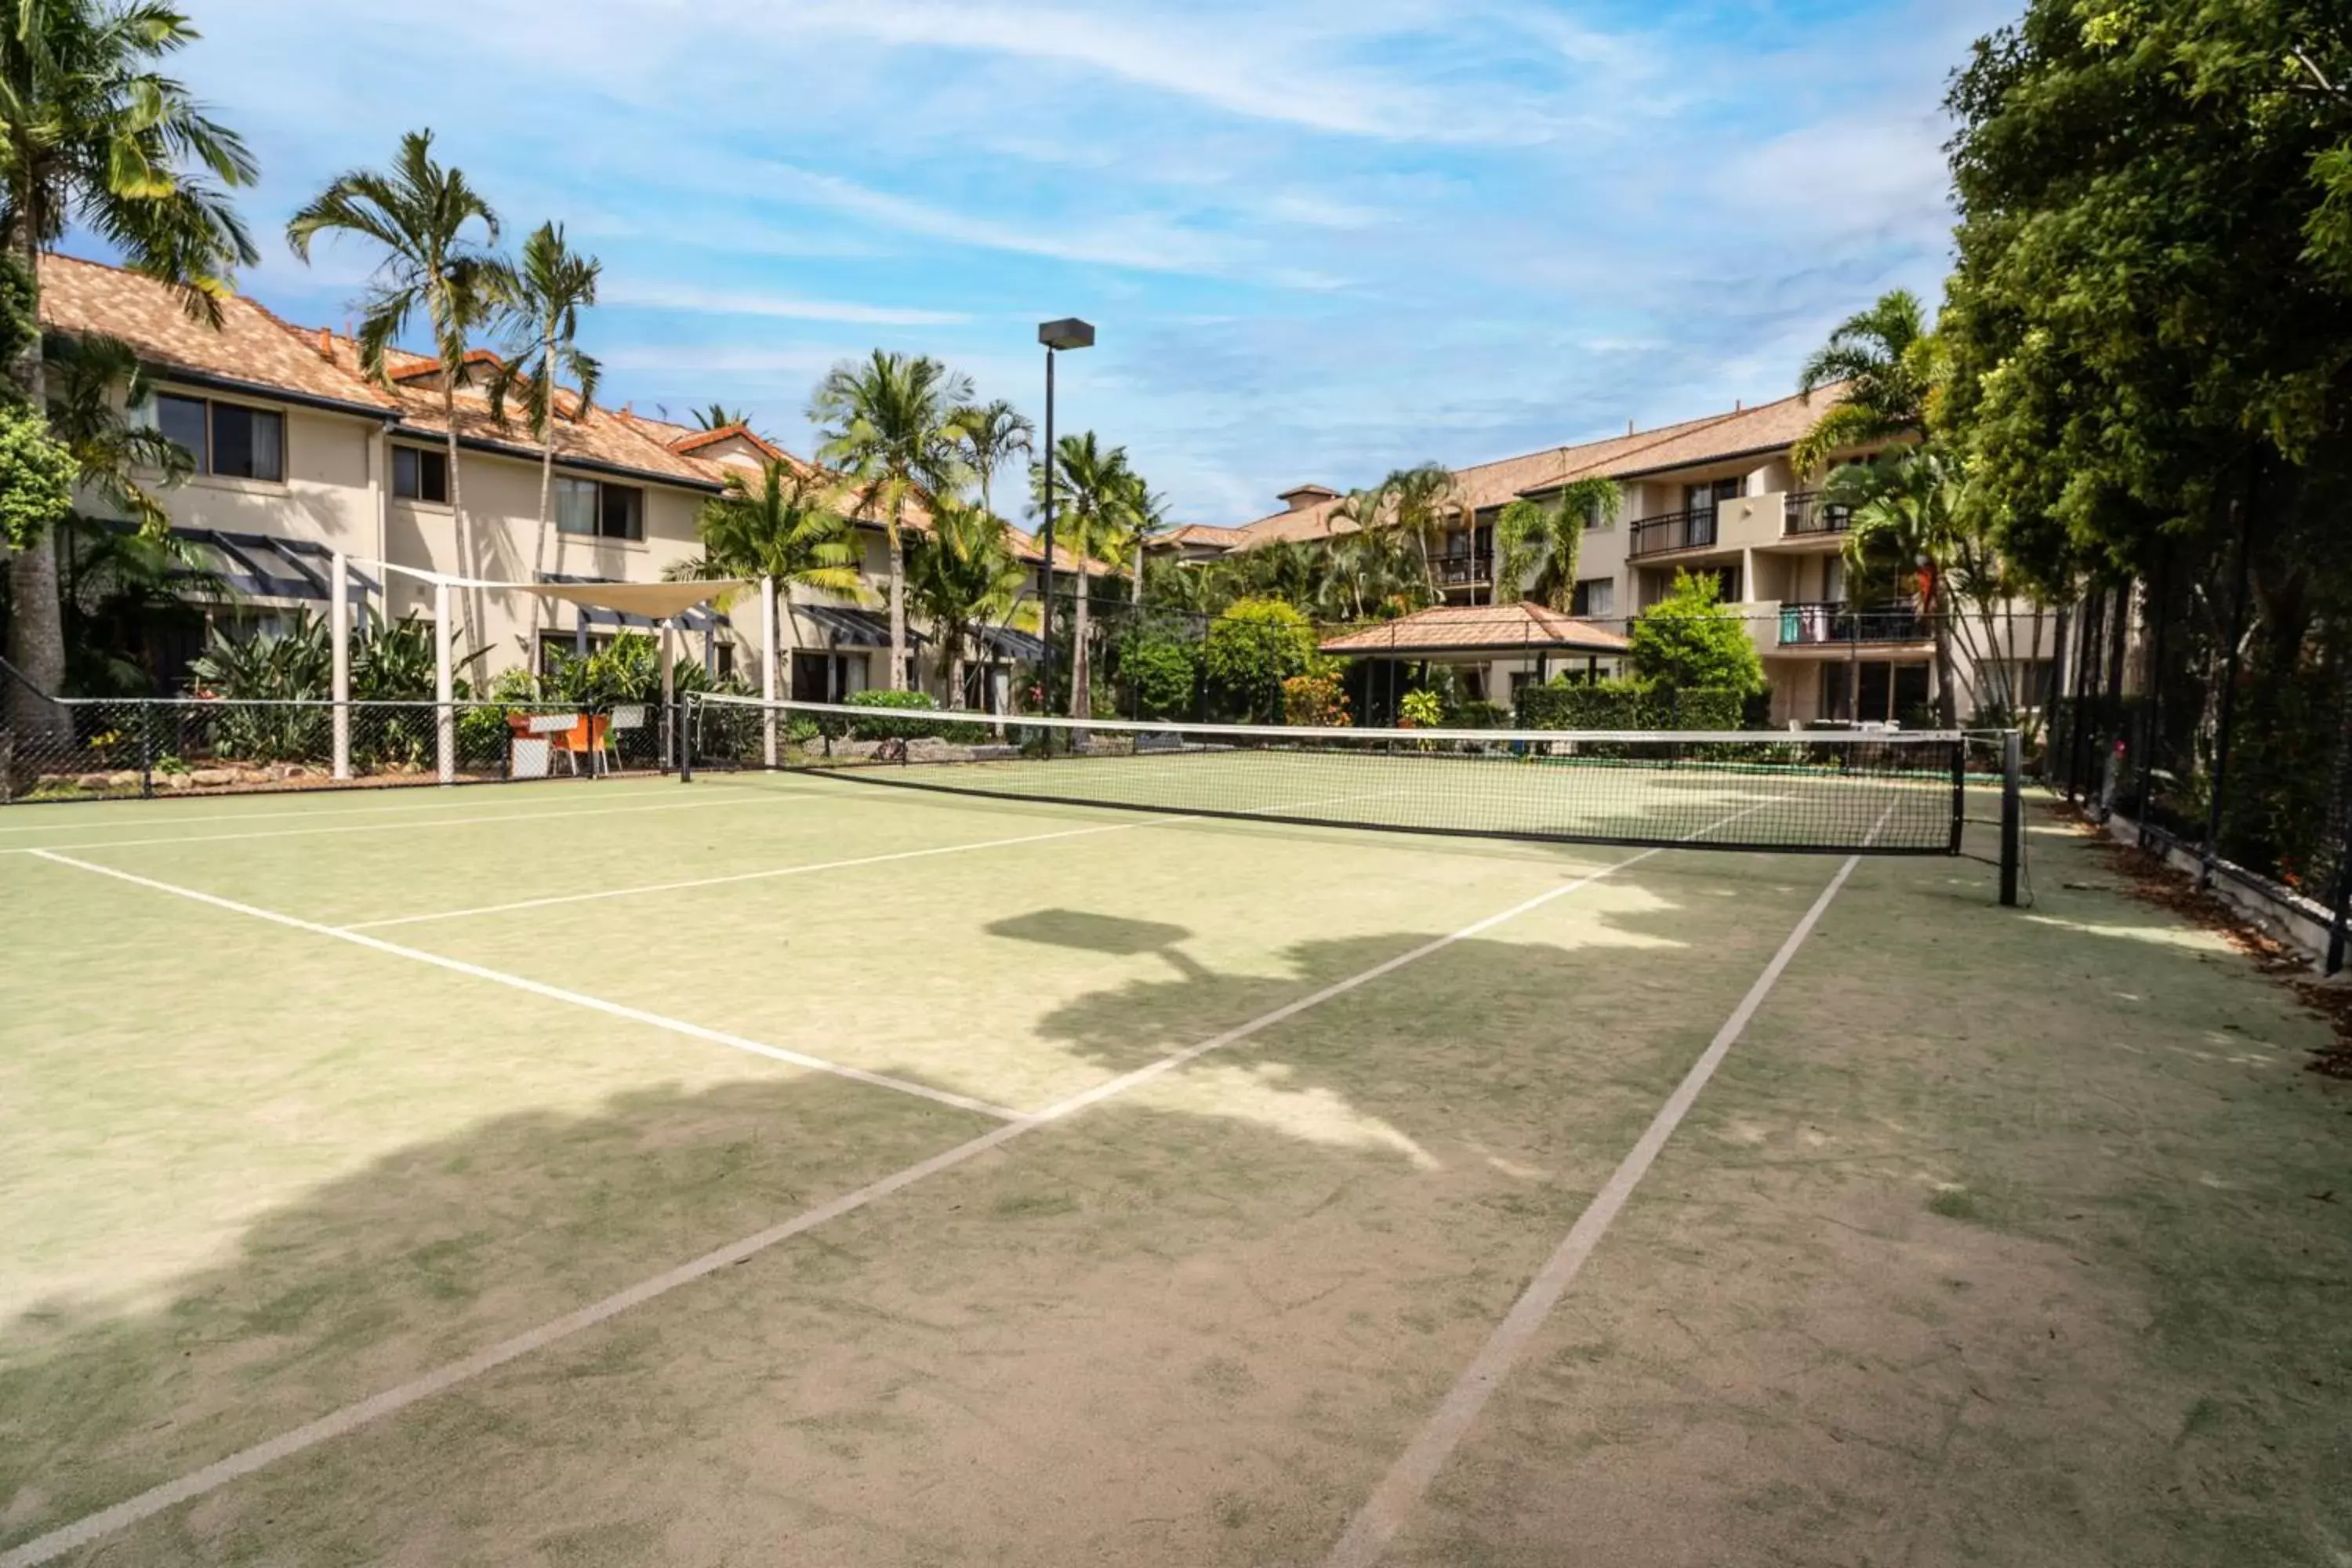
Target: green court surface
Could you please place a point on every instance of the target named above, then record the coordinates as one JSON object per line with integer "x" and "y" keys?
{"x": 783, "y": 1170}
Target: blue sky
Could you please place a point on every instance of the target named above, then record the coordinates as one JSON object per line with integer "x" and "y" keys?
{"x": 1320, "y": 238}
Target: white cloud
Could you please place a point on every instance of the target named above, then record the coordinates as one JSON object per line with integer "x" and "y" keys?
{"x": 686, "y": 296}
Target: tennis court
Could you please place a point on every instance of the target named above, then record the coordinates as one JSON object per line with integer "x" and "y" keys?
{"x": 782, "y": 1169}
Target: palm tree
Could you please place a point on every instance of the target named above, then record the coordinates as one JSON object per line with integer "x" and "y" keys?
{"x": 1886, "y": 358}
{"x": 418, "y": 212}
{"x": 1423, "y": 502}
{"x": 1907, "y": 524}
{"x": 1539, "y": 541}
{"x": 992, "y": 434}
{"x": 94, "y": 384}
{"x": 890, "y": 423}
{"x": 1145, "y": 514}
{"x": 719, "y": 417}
{"x": 785, "y": 527}
{"x": 962, "y": 575}
{"x": 544, "y": 292}
{"x": 90, "y": 130}
{"x": 1097, "y": 489}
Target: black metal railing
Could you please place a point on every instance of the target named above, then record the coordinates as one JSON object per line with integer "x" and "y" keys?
{"x": 1808, "y": 514}
{"x": 1816, "y": 624}
{"x": 1691, "y": 530}
{"x": 1454, "y": 571}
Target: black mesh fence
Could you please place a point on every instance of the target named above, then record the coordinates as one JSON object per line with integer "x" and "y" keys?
{"x": 2216, "y": 721}
{"x": 55, "y": 749}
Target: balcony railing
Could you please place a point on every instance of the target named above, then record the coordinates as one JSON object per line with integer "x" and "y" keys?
{"x": 1820, "y": 625}
{"x": 1455, "y": 571}
{"x": 1808, "y": 515}
{"x": 1693, "y": 529}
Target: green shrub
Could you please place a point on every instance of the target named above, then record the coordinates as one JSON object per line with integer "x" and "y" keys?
{"x": 880, "y": 728}
{"x": 1161, "y": 673}
{"x": 1588, "y": 705}
{"x": 1690, "y": 639}
{"x": 1478, "y": 716}
{"x": 1709, "y": 708}
{"x": 1254, "y": 647}
{"x": 1420, "y": 710}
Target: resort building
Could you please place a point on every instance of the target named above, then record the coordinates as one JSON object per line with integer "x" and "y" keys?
{"x": 1717, "y": 497}
{"x": 300, "y": 455}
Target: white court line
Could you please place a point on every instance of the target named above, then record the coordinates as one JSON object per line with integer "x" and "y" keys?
{"x": 1408, "y": 1480}
{"x": 351, "y": 1417}
{"x": 733, "y": 876}
{"x": 745, "y": 797}
{"x": 1152, "y": 820}
{"x": 439, "y": 801}
{"x": 553, "y": 993}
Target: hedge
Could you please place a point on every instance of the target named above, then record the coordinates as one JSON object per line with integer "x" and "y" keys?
{"x": 1627, "y": 705}
{"x": 881, "y": 729}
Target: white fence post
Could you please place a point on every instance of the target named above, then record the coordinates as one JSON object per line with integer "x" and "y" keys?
{"x": 768, "y": 656}
{"x": 443, "y": 684}
{"x": 339, "y": 601}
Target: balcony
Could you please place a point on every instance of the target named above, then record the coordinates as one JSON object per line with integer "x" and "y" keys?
{"x": 1692, "y": 530}
{"x": 1839, "y": 624}
{"x": 1808, "y": 516}
{"x": 1462, "y": 569}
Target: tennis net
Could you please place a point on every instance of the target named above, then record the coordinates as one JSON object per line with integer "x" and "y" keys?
{"x": 1891, "y": 793}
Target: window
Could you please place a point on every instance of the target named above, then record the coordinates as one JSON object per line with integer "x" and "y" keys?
{"x": 599, "y": 511}
{"x": 418, "y": 474}
{"x": 226, "y": 438}
{"x": 1594, "y": 596}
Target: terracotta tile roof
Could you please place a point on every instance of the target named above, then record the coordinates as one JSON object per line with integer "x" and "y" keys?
{"x": 611, "y": 438}
{"x": 696, "y": 440}
{"x": 1479, "y": 628}
{"x": 251, "y": 347}
{"x": 1485, "y": 487}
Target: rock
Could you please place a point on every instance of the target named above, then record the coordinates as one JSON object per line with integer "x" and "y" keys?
{"x": 122, "y": 781}
{"x": 213, "y": 778}
{"x": 90, "y": 781}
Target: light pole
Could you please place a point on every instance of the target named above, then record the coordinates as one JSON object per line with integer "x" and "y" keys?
{"x": 1069, "y": 332}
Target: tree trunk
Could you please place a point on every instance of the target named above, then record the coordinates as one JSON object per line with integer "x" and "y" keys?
{"x": 37, "y": 633}
{"x": 955, "y": 669}
{"x": 543, "y": 607}
{"x": 470, "y": 599}
{"x": 1081, "y": 677}
{"x": 1948, "y": 706}
{"x": 897, "y": 608}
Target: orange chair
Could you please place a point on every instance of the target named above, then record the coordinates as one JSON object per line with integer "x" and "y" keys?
{"x": 587, "y": 738}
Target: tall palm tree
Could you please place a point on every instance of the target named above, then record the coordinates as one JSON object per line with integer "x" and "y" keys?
{"x": 1886, "y": 358}
{"x": 992, "y": 434}
{"x": 1145, "y": 517}
{"x": 95, "y": 382}
{"x": 962, "y": 575}
{"x": 1906, "y": 527}
{"x": 1097, "y": 491}
{"x": 418, "y": 211}
{"x": 1539, "y": 541}
{"x": 889, "y": 423}
{"x": 782, "y": 526}
{"x": 90, "y": 130}
{"x": 544, "y": 291}
{"x": 1422, "y": 501}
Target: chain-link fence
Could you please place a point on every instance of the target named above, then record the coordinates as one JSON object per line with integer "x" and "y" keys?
{"x": 60, "y": 749}
{"x": 2216, "y": 721}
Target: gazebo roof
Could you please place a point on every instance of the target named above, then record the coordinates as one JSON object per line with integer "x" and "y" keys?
{"x": 1478, "y": 628}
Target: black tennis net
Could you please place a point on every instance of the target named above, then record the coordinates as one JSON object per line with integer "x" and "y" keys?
{"x": 1887, "y": 793}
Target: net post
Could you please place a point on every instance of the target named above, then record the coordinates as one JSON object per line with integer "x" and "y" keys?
{"x": 769, "y": 637}
{"x": 2012, "y": 814}
{"x": 681, "y": 723}
{"x": 1960, "y": 791}
{"x": 445, "y": 725}
{"x": 338, "y": 598}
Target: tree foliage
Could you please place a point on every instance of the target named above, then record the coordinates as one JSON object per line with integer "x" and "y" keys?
{"x": 36, "y": 477}
{"x": 1256, "y": 645}
{"x": 1691, "y": 639}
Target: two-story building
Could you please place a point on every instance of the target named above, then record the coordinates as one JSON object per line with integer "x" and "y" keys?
{"x": 1716, "y": 496}
{"x": 298, "y": 455}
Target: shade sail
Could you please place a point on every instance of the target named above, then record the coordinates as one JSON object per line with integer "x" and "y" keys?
{"x": 654, "y": 601}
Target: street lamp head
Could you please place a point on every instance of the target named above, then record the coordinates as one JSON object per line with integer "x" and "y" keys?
{"x": 1069, "y": 332}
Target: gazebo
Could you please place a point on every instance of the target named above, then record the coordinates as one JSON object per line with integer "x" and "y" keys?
{"x": 1524, "y": 637}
